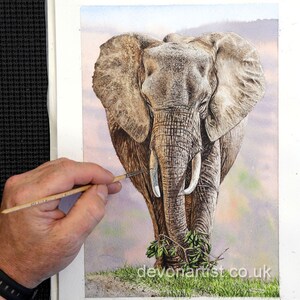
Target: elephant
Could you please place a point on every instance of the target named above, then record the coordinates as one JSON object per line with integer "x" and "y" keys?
{"x": 178, "y": 108}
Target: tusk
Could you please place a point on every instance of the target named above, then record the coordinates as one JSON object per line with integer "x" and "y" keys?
{"x": 196, "y": 168}
{"x": 154, "y": 174}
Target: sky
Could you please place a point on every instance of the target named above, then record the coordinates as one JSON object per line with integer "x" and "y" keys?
{"x": 170, "y": 18}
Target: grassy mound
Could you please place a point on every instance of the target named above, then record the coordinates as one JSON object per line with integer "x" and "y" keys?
{"x": 200, "y": 284}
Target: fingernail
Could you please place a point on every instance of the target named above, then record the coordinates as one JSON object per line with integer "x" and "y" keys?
{"x": 102, "y": 192}
{"x": 110, "y": 174}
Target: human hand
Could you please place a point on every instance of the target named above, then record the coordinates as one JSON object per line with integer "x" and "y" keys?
{"x": 37, "y": 243}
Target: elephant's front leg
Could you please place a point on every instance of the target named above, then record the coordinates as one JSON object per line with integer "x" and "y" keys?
{"x": 206, "y": 193}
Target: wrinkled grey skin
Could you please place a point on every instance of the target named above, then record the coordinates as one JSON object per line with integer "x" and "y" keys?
{"x": 178, "y": 107}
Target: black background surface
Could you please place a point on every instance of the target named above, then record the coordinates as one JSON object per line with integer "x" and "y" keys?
{"x": 24, "y": 129}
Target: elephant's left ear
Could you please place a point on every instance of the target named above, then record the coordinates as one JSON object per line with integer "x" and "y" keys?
{"x": 240, "y": 82}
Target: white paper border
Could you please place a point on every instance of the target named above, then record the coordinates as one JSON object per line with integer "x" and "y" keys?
{"x": 67, "y": 90}
{"x": 51, "y": 100}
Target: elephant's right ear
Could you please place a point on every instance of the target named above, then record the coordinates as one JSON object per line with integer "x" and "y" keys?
{"x": 116, "y": 83}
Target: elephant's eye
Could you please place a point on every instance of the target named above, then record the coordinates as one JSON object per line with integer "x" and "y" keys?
{"x": 148, "y": 102}
{"x": 149, "y": 106}
{"x": 201, "y": 69}
{"x": 149, "y": 65}
{"x": 149, "y": 71}
{"x": 146, "y": 98}
{"x": 203, "y": 104}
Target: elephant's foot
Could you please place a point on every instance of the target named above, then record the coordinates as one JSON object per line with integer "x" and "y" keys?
{"x": 159, "y": 263}
{"x": 194, "y": 254}
{"x": 173, "y": 262}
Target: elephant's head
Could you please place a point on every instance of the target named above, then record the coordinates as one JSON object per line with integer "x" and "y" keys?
{"x": 174, "y": 91}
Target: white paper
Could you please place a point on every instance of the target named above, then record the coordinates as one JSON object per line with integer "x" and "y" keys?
{"x": 66, "y": 88}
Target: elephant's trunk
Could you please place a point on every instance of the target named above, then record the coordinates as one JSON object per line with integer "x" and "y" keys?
{"x": 175, "y": 142}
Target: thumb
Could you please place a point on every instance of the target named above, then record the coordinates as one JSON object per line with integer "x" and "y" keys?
{"x": 87, "y": 212}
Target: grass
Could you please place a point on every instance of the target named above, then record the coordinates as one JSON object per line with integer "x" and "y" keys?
{"x": 206, "y": 284}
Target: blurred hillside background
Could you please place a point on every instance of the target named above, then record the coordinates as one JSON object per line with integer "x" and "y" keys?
{"x": 246, "y": 220}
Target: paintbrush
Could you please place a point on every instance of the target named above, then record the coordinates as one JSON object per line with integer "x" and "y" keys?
{"x": 66, "y": 194}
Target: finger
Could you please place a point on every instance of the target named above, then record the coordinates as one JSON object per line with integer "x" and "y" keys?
{"x": 72, "y": 173}
{"x": 87, "y": 212}
{"x": 49, "y": 205}
{"x": 85, "y": 172}
{"x": 55, "y": 214}
{"x": 56, "y": 177}
{"x": 114, "y": 188}
{"x": 48, "y": 210}
{"x": 102, "y": 192}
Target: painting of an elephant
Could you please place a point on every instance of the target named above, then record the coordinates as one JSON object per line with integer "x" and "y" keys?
{"x": 178, "y": 108}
